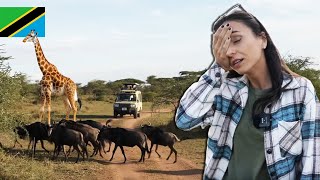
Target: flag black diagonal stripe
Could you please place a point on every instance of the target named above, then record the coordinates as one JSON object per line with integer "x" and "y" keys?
{"x": 23, "y": 21}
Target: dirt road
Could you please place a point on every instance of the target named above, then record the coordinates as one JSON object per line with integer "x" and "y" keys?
{"x": 153, "y": 168}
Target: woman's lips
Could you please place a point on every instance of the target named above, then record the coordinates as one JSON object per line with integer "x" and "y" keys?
{"x": 236, "y": 62}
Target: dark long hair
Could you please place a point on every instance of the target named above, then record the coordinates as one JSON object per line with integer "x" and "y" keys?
{"x": 273, "y": 59}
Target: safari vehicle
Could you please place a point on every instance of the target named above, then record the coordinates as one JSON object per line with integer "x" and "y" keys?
{"x": 128, "y": 101}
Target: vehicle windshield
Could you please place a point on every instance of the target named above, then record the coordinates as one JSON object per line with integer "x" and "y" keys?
{"x": 126, "y": 97}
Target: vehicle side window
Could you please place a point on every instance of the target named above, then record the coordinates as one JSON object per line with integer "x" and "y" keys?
{"x": 133, "y": 98}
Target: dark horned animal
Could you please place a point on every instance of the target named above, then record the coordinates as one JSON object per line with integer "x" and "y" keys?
{"x": 99, "y": 126}
{"x": 36, "y": 131}
{"x": 125, "y": 137}
{"x": 159, "y": 137}
{"x": 90, "y": 134}
{"x": 61, "y": 135}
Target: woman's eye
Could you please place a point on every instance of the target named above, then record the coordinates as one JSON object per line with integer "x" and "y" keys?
{"x": 236, "y": 41}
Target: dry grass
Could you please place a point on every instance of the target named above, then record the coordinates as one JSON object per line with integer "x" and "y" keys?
{"x": 23, "y": 167}
{"x": 17, "y": 163}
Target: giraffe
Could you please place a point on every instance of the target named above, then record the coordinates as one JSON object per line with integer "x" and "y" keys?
{"x": 53, "y": 83}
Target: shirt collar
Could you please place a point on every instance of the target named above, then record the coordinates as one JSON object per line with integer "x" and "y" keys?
{"x": 293, "y": 84}
{"x": 243, "y": 81}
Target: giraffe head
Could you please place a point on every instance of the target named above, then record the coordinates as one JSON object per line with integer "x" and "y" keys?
{"x": 31, "y": 37}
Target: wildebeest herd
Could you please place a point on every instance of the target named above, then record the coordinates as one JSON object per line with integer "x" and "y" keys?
{"x": 78, "y": 135}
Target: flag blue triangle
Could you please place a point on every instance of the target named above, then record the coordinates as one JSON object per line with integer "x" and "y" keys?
{"x": 38, "y": 26}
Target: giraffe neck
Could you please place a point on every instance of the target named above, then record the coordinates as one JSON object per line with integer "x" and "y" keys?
{"x": 42, "y": 61}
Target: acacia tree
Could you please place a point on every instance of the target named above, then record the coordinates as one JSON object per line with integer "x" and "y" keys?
{"x": 10, "y": 94}
{"x": 96, "y": 88}
{"x": 302, "y": 66}
{"x": 100, "y": 88}
{"x": 169, "y": 90}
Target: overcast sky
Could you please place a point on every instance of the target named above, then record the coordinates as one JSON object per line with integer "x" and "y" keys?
{"x": 115, "y": 39}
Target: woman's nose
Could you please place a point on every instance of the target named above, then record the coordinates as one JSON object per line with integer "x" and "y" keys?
{"x": 231, "y": 51}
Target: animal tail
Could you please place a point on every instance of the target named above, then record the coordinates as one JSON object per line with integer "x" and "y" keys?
{"x": 77, "y": 99}
{"x": 80, "y": 103}
{"x": 146, "y": 145}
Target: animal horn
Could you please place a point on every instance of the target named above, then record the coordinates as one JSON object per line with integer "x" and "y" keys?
{"x": 108, "y": 121}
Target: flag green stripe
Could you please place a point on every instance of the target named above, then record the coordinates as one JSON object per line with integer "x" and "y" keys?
{"x": 9, "y": 14}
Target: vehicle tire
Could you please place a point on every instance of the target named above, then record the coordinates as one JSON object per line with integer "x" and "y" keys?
{"x": 138, "y": 114}
{"x": 115, "y": 114}
{"x": 121, "y": 115}
{"x": 135, "y": 114}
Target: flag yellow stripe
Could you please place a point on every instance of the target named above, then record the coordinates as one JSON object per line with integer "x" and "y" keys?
{"x": 27, "y": 24}
{"x": 18, "y": 19}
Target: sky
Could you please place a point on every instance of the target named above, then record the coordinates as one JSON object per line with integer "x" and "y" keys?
{"x": 116, "y": 39}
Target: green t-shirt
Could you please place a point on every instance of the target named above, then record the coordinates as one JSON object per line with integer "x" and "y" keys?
{"x": 248, "y": 159}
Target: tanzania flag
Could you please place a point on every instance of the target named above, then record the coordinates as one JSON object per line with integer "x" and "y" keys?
{"x": 19, "y": 21}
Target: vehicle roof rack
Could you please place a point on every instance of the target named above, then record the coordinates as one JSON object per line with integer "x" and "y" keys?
{"x": 129, "y": 86}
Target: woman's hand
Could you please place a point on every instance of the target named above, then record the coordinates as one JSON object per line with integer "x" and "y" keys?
{"x": 220, "y": 44}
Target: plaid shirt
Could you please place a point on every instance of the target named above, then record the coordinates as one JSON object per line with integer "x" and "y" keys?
{"x": 292, "y": 144}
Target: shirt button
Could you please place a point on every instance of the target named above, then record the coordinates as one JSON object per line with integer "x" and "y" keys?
{"x": 269, "y": 151}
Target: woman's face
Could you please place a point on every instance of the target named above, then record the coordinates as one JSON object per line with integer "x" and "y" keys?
{"x": 246, "y": 50}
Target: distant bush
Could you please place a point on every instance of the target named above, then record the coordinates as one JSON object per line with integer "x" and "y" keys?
{"x": 149, "y": 96}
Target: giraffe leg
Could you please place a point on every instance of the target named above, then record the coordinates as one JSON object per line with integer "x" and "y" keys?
{"x": 46, "y": 87}
{"x": 43, "y": 103}
{"x": 74, "y": 108}
{"x": 73, "y": 105}
{"x": 49, "y": 112}
{"x": 42, "y": 110}
{"x": 67, "y": 106}
{"x": 48, "y": 103}
{"x": 74, "y": 111}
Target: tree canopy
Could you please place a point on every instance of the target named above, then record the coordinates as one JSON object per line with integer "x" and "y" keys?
{"x": 302, "y": 66}
{"x": 10, "y": 93}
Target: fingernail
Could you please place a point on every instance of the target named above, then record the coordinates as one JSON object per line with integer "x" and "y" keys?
{"x": 228, "y": 24}
{"x": 229, "y": 29}
{"x": 222, "y": 26}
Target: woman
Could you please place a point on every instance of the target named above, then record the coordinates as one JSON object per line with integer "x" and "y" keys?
{"x": 262, "y": 116}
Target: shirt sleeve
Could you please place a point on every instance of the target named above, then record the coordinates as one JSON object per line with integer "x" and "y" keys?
{"x": 310, "y": 132}
{"x": 196, "y": 105}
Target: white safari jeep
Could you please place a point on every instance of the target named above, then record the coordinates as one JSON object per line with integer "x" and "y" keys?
{"x": 129, "y": 101}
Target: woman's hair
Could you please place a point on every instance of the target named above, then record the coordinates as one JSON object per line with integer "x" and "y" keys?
{"x": 273, "y": 59}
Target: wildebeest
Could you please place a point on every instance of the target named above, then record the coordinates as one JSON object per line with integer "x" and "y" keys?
{"x": 99, "y": 126}
{"x": 125, "y": 137}
{"x": 159, "y": 137}
{"x": 92, "y": 123}
{"x": 61, "y": 135}
{"x": 35, "y": 131}
{"x": 90, "y": 134}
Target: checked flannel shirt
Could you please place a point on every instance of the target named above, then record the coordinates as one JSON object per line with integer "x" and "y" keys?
{"x": 292, "y": 144}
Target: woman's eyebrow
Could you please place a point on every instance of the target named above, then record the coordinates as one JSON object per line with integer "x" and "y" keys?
{"x": 234, "y": 32}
